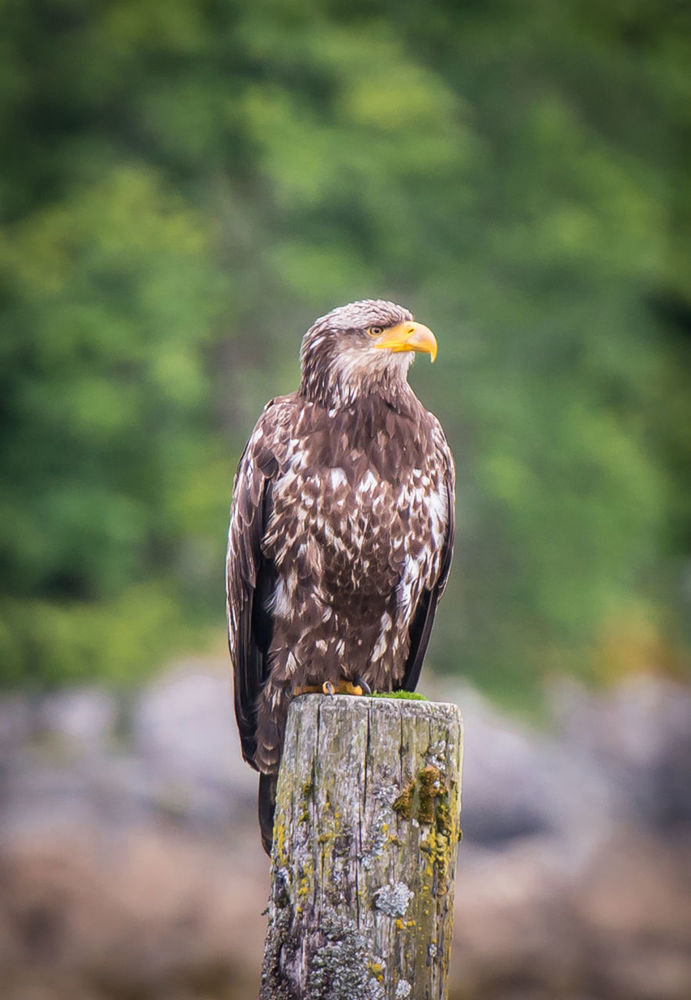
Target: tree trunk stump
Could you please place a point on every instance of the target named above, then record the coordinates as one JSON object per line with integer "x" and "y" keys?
{"x": 366, "y": 831}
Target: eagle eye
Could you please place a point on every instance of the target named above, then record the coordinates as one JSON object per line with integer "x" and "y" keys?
{"x": 375, "y": 331}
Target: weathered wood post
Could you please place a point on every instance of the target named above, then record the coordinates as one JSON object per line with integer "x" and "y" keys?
{"x": 365, "y": 840}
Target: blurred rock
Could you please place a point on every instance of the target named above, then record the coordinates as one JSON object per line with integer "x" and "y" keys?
{"x": 185, "y": 720}
{"x": 178, "y": 760}
{"x": 16, "y": 723}
{"x": 526, "y": 926}
{"x": 638, "y": 737}
{"x": 183, "y": 726}
{"x": 144, "y": 913}
{"x": 84, "y": 719}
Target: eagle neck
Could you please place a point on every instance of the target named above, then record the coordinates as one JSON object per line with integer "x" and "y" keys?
{"x": 336, "y": 395}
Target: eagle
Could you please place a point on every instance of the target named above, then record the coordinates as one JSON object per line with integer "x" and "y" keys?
{"x": 341, "y": 530}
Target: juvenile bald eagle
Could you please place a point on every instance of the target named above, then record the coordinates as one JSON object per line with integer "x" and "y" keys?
{"x": 341, "y": 530}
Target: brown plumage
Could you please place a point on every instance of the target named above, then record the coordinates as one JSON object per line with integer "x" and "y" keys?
{"x": 341, "y": 529}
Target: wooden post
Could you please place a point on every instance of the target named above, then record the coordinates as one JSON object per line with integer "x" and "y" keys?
{"x": 365, "y": 840}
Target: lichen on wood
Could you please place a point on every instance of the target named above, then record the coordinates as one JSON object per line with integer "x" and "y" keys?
{"x": 366, "y": 830}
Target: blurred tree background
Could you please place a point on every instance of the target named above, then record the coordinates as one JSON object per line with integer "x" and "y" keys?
{"x": 187, "y": 184}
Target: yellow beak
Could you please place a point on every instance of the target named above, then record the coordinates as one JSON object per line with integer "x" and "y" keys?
{"x": 408, "y": 337}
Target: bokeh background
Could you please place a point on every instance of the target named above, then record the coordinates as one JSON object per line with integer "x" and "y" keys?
{"x": 185, "y": 185}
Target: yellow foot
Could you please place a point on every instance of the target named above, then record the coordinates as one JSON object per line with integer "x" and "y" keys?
{"x": 328, "y": 687}
{"x": 347, "y": 687}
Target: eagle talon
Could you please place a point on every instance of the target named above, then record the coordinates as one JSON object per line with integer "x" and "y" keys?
{"x": 363, "y": 685}
{"x": 328, "y": 688}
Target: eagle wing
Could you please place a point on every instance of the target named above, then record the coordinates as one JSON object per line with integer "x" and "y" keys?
{"x": 250, "y": 577}
{"x": 423, "y": 619}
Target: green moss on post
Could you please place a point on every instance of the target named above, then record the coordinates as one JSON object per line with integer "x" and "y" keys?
{"x": 402, "y": 695}
{"x": 365, "y": 840}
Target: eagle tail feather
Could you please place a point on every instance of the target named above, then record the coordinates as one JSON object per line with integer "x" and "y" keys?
{"x": 266, "y": 803}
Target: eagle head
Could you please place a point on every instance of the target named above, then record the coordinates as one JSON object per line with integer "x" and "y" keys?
{"x": 363, "y": 347}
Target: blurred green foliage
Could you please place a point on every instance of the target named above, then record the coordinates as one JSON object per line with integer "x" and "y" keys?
{"x": 186, "y": 185}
